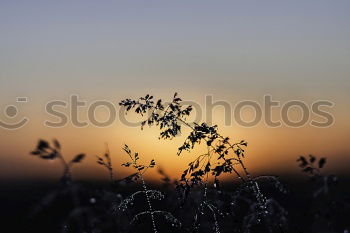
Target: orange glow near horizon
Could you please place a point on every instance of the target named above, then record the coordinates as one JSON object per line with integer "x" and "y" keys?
{"x": 269, "y": 151}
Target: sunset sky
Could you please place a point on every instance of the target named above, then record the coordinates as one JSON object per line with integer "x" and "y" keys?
{"x": 232, "y": 50}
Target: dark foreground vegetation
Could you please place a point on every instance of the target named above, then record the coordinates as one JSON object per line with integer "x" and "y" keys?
{"x": 191, "y": 203}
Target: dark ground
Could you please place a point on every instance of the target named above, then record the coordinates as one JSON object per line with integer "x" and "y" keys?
{"x": 21, "y": 210}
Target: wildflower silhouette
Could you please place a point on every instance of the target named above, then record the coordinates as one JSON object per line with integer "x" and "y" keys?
{"x": 193, "y": 204}
{"x": 149, "y": 194}
{"x": 228, "y": 155}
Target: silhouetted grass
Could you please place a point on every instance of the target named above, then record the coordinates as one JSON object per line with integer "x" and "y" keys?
{"x": 190, "y": 203}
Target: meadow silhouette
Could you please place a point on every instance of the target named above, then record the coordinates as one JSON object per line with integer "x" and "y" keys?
{"x": 198, "y": 201}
